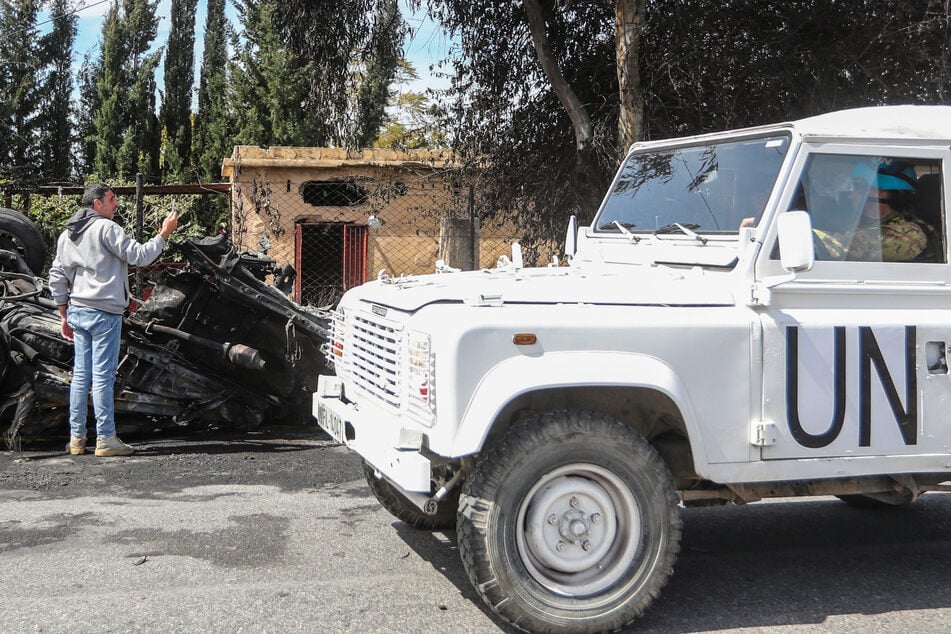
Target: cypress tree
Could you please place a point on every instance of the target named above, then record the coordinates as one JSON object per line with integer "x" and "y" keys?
{"x": 86, "y": 114}
{"x": 141, "y": 143}
{"x": 179, "y": 78}
{"x": 272, "y": 84}
{"x": 56, "y": 136}
{"x": 125, "y": 124}
{"x": 108, "y": 121}
{"x": 19, "y": 94}
{"x": 213, "y": 136}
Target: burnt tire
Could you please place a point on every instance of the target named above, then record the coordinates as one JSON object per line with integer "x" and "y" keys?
{"x": 21, "y": 235}
{"x": 403, "y": 509}
{"x": 569, "y": 523}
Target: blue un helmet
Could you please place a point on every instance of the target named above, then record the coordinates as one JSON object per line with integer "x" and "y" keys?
{"x": 896, "y": 176}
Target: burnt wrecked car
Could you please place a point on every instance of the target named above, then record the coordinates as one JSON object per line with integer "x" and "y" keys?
{"x": 212, "y": 344}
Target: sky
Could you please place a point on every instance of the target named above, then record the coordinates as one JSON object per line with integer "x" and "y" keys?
{"x": 427, "y": 46}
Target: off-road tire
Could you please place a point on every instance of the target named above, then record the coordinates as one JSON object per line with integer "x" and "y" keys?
{"x": 403, "y": 509}
{"x": 20, "y": 234}
{"x": 546, "y": 478}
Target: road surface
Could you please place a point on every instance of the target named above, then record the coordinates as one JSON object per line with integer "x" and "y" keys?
{"x": 276, "y": 532}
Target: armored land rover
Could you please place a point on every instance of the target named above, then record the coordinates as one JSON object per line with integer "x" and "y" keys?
{"x": 756, "y": 313}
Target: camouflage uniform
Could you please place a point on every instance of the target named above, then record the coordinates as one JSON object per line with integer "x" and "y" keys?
{"x": 833, "y": 244}
{"x": 895, "y": 239}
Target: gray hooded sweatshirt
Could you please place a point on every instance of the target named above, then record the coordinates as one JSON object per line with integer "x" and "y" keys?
{"x": 91, "y": 267}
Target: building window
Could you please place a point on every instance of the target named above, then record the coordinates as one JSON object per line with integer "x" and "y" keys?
{"x": 333, "y": 194}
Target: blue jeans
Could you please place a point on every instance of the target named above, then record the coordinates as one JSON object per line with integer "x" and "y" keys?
{"x": 96, "y": 338}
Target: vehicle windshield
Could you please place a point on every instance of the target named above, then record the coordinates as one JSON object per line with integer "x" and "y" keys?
{"x": 714, "y": 188}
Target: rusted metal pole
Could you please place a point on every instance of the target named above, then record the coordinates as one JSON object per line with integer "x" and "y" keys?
{"x": 139, "y": 229}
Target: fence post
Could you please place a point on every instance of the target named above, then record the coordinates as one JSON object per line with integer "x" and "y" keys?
{"x": 473, "y": 236}
{"x": 139, "y": 220}
{"x": 139, "y": 228}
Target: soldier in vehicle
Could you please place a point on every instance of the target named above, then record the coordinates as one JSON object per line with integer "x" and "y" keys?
{"x": 886, "y": 231}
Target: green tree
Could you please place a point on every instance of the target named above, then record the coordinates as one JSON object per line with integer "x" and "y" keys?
{"x": 86, "y": 113}
{"x": 125, "y": 125}
{"x": 271, "y": 85}
{"x": 213, "y": 130}
{"x": 772, "y": 61}
{"x": 540, "y": 151}
{"x": 352, "y": 48}
{"x": 548, "y": 123}
{"x": 411, "y": 120}
{"x": 179, "y": 78}
{"x": 54, "y": 152}
{"x": 380, "y": 61}
{"x": 19, "y": 88}
{"x": 111, "y": 94}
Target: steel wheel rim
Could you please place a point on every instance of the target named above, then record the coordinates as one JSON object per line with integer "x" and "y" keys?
{"x": 579, "y": 530}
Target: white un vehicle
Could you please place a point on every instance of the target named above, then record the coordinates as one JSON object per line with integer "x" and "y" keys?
{"x": 755, "y": 313}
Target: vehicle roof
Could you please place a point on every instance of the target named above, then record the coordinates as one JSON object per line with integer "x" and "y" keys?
{"x": 913, "y": 122}
{"x": 910, "y": 121}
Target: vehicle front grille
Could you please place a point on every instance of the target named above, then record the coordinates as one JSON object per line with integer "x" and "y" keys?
{"x": 373, "y": 357}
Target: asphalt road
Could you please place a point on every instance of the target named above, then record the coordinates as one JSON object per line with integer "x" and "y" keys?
{"x": 277, "y": 532}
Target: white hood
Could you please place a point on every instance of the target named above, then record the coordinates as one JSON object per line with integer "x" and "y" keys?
{"x": 618, "y": 285}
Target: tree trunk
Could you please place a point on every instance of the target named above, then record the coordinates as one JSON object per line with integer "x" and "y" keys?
{"x": 629, "y": 20}
{"x": 580, "y": 120}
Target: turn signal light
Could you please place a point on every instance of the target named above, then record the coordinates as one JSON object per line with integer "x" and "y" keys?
{"x": 524, "y": 339}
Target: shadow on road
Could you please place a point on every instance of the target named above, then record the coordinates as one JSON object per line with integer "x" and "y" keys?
{"x": 440, "y": 551}
{"x": 799, "y": 563}
{"x": 779, "y": 564}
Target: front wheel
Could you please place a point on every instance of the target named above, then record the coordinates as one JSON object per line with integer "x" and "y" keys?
{"x": 569, "y": 523}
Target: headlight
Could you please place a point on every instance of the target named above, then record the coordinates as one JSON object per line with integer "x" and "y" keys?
{"x": 419, "y": 377}
{"x": 338, "y": 329}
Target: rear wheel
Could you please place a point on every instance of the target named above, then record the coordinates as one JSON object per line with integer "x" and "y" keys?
{"x": 402, "y": 508}
{"x": 21, "y": 235}
{"x": 569, "y": 523}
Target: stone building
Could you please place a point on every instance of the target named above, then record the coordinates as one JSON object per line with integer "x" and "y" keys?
{"x": 340, "y": 217}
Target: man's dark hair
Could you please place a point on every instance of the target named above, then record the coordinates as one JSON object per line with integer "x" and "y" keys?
{"x": 94, "y": 191}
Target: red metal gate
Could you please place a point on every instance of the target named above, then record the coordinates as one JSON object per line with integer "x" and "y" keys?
{"x": 330, "y": 258}
{"x": 354, "y": 256}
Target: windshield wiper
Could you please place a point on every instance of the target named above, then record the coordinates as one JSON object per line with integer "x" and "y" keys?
{"x": 623, "y": 227}
{"x": 687, "y": 230}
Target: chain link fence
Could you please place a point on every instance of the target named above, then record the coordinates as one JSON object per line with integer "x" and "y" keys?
{"x": 325, "y": 232}
{"x": 339, "y": 231}
{"x": 140, "y": 212}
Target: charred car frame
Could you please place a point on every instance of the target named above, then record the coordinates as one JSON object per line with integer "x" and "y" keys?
{"x": 213, "y": 344}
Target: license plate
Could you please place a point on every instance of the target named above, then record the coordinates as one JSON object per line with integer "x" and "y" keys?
{"x": 331, "y": 422}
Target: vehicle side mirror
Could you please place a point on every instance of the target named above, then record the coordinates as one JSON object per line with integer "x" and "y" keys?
{"x": 796, "y": 250}
{"x": 571, "y": 238}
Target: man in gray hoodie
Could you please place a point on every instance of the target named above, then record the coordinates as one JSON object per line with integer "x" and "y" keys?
{"x": 89, "y": 280}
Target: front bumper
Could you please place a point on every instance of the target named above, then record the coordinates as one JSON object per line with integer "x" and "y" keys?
{"x": 375, "y": 434}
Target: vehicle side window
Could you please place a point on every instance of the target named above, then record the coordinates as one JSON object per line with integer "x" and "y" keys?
{"x": 874, "y": 209}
